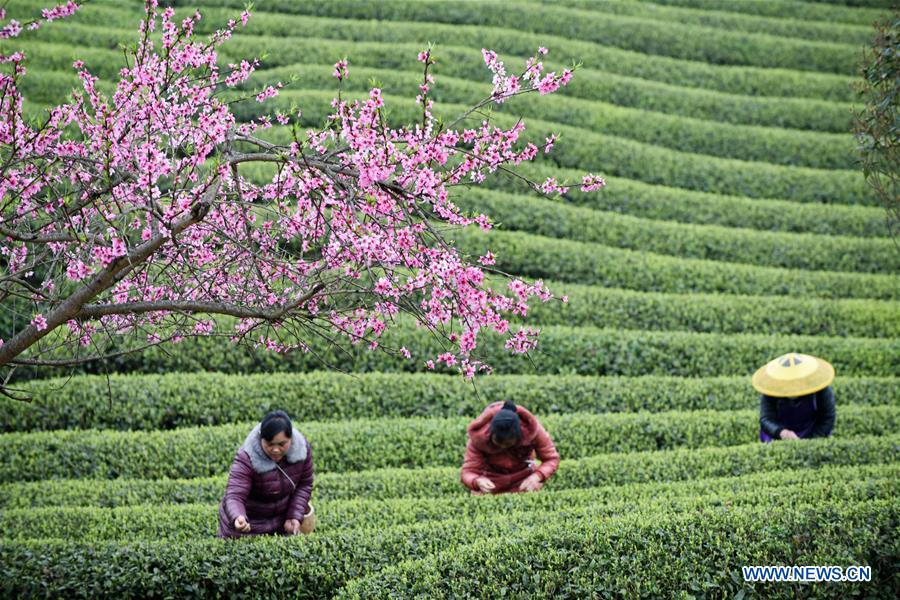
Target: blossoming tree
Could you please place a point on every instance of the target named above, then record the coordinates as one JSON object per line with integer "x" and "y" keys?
{"x": 127, "y": 215}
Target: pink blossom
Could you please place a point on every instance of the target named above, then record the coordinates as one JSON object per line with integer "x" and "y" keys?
{"x": 39, "y": 322}
{"x": 341, "y": 69}
{"x": 591, "y": 182}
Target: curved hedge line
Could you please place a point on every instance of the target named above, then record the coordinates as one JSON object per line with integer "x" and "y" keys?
{"x": 750, "y": 143}
{"x": 562, "y": 350}
{"x": 317, "y": 566}
{"x": 591, "y": 83}
{"x": 763, "y": 144}
{"x": 174, "y": 400}
{"x": 636, "y": 34}
{"x": 792, "y": 28}
{"x": 656, "y": 556}
{"x": 795, "y": 9}
{"x": 612, "y": 470}
{"x": 628, "y": 196}
{"x": 189, "y": 521}
{"x": 538, "y": 216}
{"x": 734, "y": 79}
{"x": 383, "y": 443}
{"x": 616, "y": 156}
{"x": 594, "y": 264}
{"x": 716, "y": 313}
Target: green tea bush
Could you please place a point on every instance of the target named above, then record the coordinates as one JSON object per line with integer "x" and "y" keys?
{"x": 613, "y": 470}
{"x": 172, "y": 400}
{"x": 627, "y": 196}
{"x": 376, "y": 443}
{"x": 789, "y": 250}
{"x": 637, "y": 34}
{"x": 661, "y": 555}
{"x": 190, "y": 521}
{"x": 732, "y": 79}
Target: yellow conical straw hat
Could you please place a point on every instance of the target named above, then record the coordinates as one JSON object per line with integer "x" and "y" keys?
{"x": 793, "y": 375}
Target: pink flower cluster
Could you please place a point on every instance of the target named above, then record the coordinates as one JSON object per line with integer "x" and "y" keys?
{"x": 339, "y": 241}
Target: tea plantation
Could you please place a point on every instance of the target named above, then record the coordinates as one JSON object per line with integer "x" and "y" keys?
{"x": 735, "y": 227}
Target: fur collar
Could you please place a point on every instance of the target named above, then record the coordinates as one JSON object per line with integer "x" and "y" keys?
{"x": 262, "y": 463}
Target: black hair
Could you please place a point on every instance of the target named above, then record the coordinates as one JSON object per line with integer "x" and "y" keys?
{"x": 505, "y": 424}
{"x": 274, "y": 423}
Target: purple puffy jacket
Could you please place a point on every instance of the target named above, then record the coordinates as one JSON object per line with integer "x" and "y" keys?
{"x": 266, "y": 493}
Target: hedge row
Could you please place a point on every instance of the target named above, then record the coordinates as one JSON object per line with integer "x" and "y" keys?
{"x": 633, "y": 33}
{"x": 786, "y": 9}
{"x": 764, "y": 144}
{"x": 710, "y": 242}
{"x": 383, "y": 443}
{"x": 717, "y": 313}
{"x": 191, "y": 521}
{"x": 614, "y": 470}
{"x": 317, "y": 566}
{"x": 174, "y": 400}
{"x": 616, "y": 156}
{"x": 611, "y": 154}
{"x": 594, "y": 264}
{"x": 733, "y": 79}
{"x": 696, "y": 554}
{"x": 784, "y": 27}
{"x": 628, "y": 196}
{"x": 591, "y": 83}
{"x": 562, "y": 350}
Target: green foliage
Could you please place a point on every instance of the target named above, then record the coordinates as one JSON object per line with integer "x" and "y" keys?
{"x": 803, "y": 27}
{"x": 689, "y": 73}
{"x": 383, "y": 443}
{"x": 877, "y": 125}
{"x": 173, "y": 400}
{"x": 652, "y": 37}
{"x": 612, "y": 470}
{"x": 717, "y": 313}
{"x": 616, "y": 156}
{"x": 591, "y": 83}
{"x": 594, "y": 264}
{"x": 788, "y": 250}
{"x": 563, "y": 350}
{"x": 662, "y": 555}
{"x": 785, "y": 9}
{"x": 627, "y": 196}
{"x": 190, "y": 521}
{"x": 690, "y": 543}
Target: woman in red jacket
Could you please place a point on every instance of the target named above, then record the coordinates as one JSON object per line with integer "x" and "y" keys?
{"x": 500, "y": 453}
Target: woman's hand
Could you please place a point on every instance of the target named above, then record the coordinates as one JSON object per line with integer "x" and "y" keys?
{"x": 242, "y": 524}
{"x": 485, "y": 485}
{"x": 787, "y": 434}
{"x": 292, "y": 526}
{"x": 532, "y": 483}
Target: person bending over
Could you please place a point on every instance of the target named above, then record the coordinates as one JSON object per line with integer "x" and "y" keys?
{"x": 270, "y": 483}
{"x": 500, "y": 453}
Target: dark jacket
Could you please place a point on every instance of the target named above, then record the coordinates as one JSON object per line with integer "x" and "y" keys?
{"x": 266, "y": 493}
{"x": 507, "y": 467}
{"x": 773, "y": 411}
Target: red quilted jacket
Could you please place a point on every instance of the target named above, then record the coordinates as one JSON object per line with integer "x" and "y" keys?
{"x": 507, "y": 467}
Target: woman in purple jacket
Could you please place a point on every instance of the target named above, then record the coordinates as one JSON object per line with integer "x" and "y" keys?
{"x": 270, "y": 482}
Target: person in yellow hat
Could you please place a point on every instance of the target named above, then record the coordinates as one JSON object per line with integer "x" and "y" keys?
{"x": 797, "y": 401}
